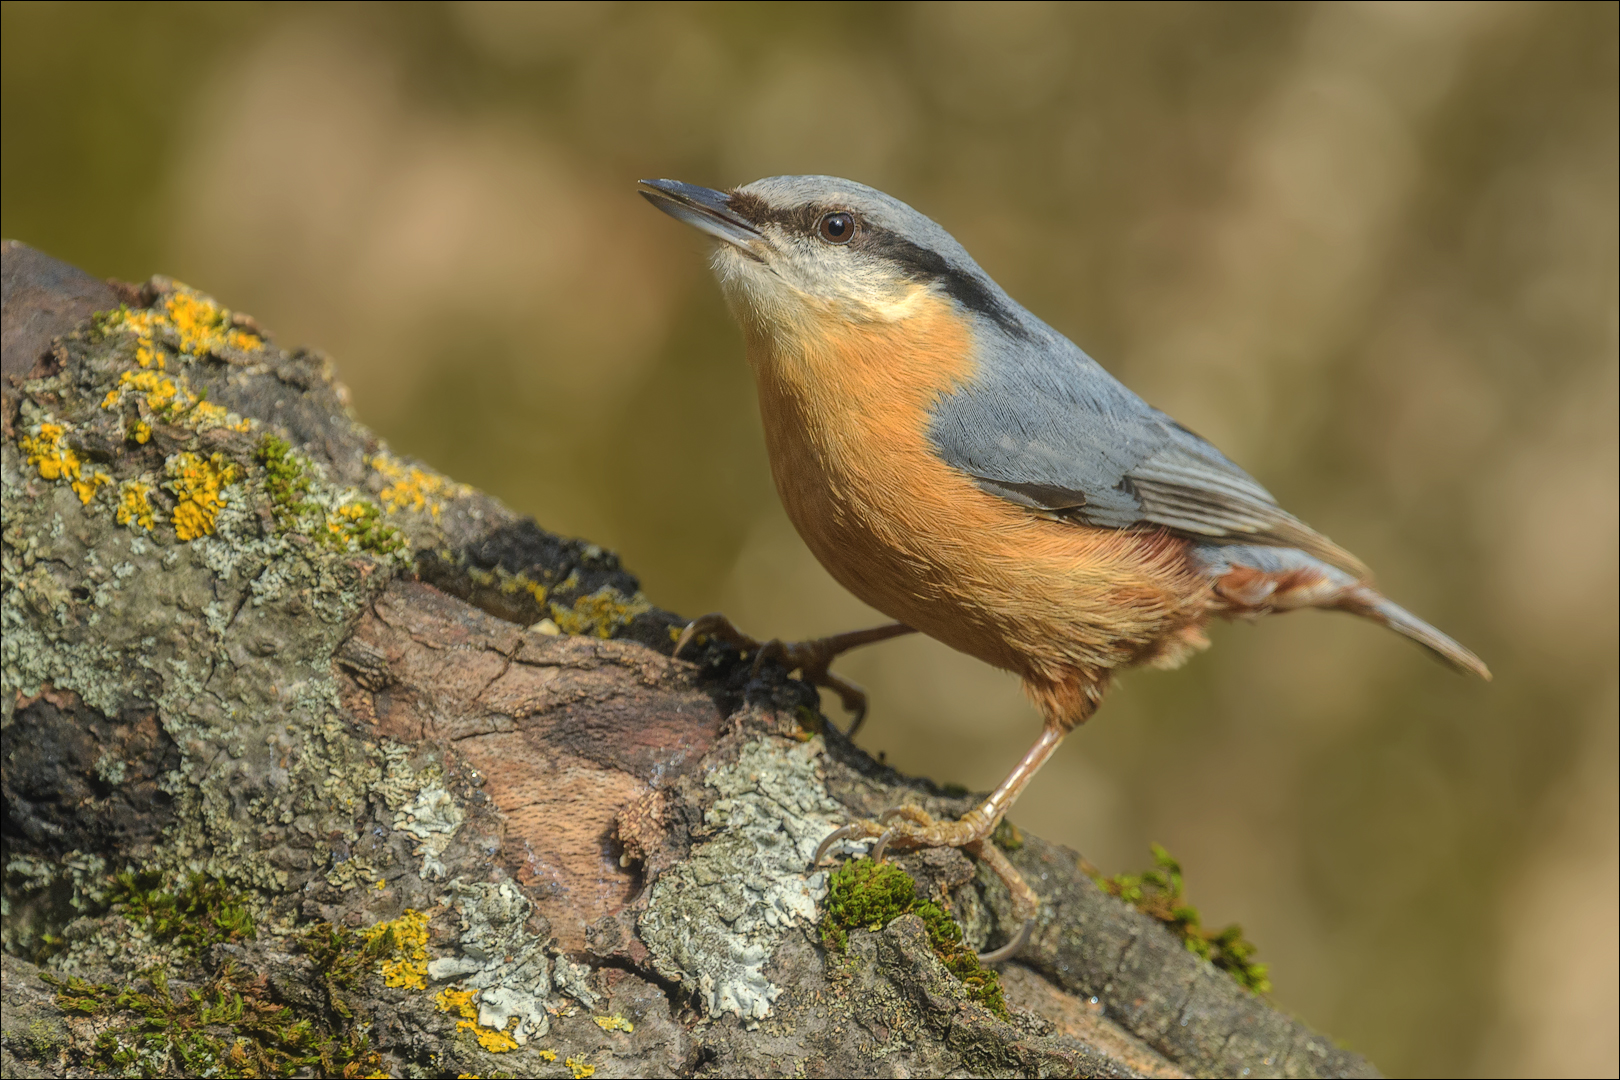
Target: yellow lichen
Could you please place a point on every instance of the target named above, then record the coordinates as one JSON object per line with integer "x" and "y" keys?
{"x": 496, "y": 1042}
{"x": 135, "y": 505}
{"x": 410, "y": 488}
{"x": 460, "y": 1002}
{"x": 86, "y": 488}
{"x": 600, "y": 613}
{"x": 199, "y": 325}
{"x": 205, "y": 415}
{"x": 139, "y": 432}
{"x": 407, "y": 966}
{"x": 457, "y": 1001}
{"x": 160, "y": 390}
{"x": 46, "y": 448}
{"x": 513, "y": 583}
{"x": 173, "y": 399}
{"x": 203, "y": 325}
{"x": 581, "y": 1070}
{"x": 198, "y": 483}
{"x": 613, "y": 1023}
{"x": 549, "y": 1055}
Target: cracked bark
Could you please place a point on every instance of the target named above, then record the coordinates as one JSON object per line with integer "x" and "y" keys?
{"x": 368, "y": 737}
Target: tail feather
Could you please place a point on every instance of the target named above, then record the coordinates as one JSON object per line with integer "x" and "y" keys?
{"x": 1381, "y": 609}
{"x": 1250, "y": 579}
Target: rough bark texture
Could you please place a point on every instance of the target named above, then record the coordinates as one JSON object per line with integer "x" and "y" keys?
{"x": 258, "y": 664}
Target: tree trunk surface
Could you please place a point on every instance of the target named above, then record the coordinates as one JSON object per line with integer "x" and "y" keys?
{"x": 318, "y": 762}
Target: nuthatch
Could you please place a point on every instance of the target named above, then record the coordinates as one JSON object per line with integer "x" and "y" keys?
{"x": 968, "y": 471}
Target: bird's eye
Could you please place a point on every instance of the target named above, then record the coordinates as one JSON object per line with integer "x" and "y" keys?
{"x": 837, "y": 227}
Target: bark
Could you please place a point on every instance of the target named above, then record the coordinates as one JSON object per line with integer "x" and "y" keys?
{"x": 342, "y": 690}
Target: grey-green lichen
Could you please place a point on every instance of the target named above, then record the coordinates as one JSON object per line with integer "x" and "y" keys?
{"x": 80, "y": 878}
{"x": 500, "y": 959}
{"x": 433, "y": 816}
{"x": 213, "y": 579}
{"x": 714, "y": 921}
{"x": 505, "y": 981}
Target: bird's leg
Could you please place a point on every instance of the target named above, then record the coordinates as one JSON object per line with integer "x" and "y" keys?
{"x": 810, "y": 658}
{"x": 910, "y": 827}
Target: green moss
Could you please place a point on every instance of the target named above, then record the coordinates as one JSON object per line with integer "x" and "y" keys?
{"x": 230, "y": 1026}
{"x": 290, "y": 483}
{"x": 1158, "y": 892}
{"x": 226, "y": 1027}
{"x": 811, "y": 723}
{"x": 286, "y": 481}
{"x": 196, "y": 916}
{"x": 867, "y": 895}
{"x": 103, "y": 323}
{"x": 363, "y": 523}
{"x": 344, "y": 959}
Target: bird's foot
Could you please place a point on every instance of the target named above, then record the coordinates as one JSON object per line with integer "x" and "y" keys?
{"x": 909, "y": 828}
{"x": 810, "y": 658}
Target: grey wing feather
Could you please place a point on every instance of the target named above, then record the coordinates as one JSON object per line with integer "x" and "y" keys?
{"x": 1047, "y": 427}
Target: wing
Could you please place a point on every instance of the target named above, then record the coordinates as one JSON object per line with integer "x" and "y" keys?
{"x": 1045, "y": 426}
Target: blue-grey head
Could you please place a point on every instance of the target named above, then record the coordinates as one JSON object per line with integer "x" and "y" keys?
{"x": 797, "y": 246}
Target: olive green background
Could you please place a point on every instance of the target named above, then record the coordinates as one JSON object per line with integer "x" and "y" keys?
{"x": 1368, "y": 250}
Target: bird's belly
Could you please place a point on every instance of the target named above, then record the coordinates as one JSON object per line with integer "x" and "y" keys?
{"x": 874, "y": 549}
{"x": 920, "y": 542}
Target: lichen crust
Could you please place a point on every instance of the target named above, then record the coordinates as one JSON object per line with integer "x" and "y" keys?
{"x": 121, "y": 475}
{"x": 714, "y": 921}
{"x": 500, "y": 959}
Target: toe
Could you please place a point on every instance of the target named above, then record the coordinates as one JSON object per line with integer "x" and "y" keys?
{"x": 855, "y": 830}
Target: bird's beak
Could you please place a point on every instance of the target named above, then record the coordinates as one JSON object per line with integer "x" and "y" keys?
{"x": 706, "y": 209}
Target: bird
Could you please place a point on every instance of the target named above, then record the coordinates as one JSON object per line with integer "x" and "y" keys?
{"x": 962, "y": 467}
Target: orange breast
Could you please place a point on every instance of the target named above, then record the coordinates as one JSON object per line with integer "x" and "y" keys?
{"x": 846, "y": 406}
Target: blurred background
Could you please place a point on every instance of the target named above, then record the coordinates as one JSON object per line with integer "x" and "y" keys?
{"x": 1369, "y": 250}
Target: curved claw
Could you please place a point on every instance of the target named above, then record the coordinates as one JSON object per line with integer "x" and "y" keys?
{"x": 775, "y": 650}
{"x": 1009, "y": 950}
{"x": 850, "y": 696}
{"x": 882, "y": 845}
{"x": 843, "y": 832}
{"x": 716, "y": 625}
{"x": 687, "y": 634}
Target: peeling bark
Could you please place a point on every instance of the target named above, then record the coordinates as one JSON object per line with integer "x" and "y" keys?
{"x": 371, "y": 696}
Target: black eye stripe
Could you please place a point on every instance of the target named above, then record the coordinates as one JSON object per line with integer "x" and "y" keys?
{"x": 915, "y": 262}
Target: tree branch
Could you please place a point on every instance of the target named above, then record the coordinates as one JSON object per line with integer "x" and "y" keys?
{"x": 402, "y": 782}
